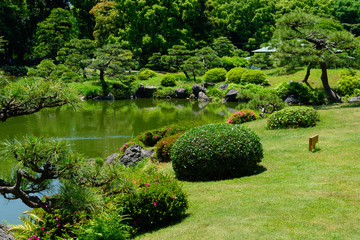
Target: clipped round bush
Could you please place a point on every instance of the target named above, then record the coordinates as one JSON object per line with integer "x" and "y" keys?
{"x": 232, "y": 62}
{"x": 215, "y": 75}
{"x": 302, "y": 92}
{"x": 216, "y": 151}
{"x": 146, "y": 74}
{"x": 168, "y": 80}
{"x": 293, "y": 117}
{"x": 242, "y": 116}
{"x": 235, "y": 74}
{"x": 254, "y": 76}
{"x": 163, "y": 148}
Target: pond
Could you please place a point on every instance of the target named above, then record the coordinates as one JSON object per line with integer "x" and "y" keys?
{"x": 100, "y": 128}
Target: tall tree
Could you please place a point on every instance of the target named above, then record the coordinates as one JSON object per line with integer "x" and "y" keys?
{"x": 302, "y": 37}
{"x": 176, "y": 57}
{"x": 348, "y": 13}
{"x": 85, "y": 20}
{"x": 111, "y": 60}
{"x": 52, "y": 33}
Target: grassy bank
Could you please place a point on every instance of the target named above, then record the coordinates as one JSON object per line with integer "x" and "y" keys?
{"x": 301, "y": 195}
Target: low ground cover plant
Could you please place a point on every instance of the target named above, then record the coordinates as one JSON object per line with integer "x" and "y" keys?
{"x": 293, "y": 117}
{"x": 242, "y": 116}
{"x": 216, "y": 151}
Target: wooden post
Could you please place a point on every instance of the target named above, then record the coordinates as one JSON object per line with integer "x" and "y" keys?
{"x": 313, "y": 141}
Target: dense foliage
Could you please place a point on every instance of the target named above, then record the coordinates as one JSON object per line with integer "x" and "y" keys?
{"x": 163, "y": 148}
{"x": 216, "y": 151}
{"x": 215, "y": 75}
{"x": 168, "y": 80}
{"x": 235, "y": 74}
{"x": 293, "y": 117}
{"x": 242, "y": 116}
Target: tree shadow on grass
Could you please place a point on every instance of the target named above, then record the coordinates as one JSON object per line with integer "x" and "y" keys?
{"x": 339, "y": 106}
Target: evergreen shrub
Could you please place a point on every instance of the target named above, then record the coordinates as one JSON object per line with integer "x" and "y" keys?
{"x": 155, "y": 200}
{"x": 163, "y": 147}
{"x": 235, "y": 74}
{"x": 168, "y": 80}
{"x": 348, "y": 84}
{"x": 216, "y": 151}
{"x": 302, "y": 92}
{"x": 254, "y": 76}
{"x": 293, "y": 117}
{"x": 242, "y": 116}
{"x": 215, "y": 75}
{"x": 232, "y": 62}
{"x": 146, "y": 74}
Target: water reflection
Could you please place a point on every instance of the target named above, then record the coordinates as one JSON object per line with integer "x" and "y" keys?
{"x": 98, "y": 129}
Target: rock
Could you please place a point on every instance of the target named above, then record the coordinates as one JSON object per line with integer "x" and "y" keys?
{"x": 181, "y": 93}
{"x": 112, "y": 158}
{"x": 292, "y": 99}
{"x": 231, "y": 95}
{"x": 134, "y": 154}
{"x": 145, "y": 92}
{"x": 109, "y": 97}
{"x": 208, "y": 84}
{"x": 354, "y": 99}
{"x": 223, "y": 86}
{"x": 203, "y": 98}
{"x": 4, "y": 235}
{"x": 196, "y": 89}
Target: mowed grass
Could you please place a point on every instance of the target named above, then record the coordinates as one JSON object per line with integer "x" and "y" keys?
{"x": 301, "y": 195}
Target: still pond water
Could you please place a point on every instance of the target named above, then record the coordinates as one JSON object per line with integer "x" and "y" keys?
{"x": 98, "y": 129}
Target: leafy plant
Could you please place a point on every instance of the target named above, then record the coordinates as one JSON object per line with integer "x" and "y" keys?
{"x": 168, "y": 80}
{"x": 146, "y": 74}
{"x": 235, "y": 75}
{"x": 216, "y": 151}
{"x": 232, "y": 62}
{"x": 242, "y": 116}
{"x": 302, "y": 92}
{"x": 163, "y": 147}
{"x": 215, "y": 75}
{"x": 293, "y": 117}
{"x": 348, "y": 84}
{"x": 254, "y": 76}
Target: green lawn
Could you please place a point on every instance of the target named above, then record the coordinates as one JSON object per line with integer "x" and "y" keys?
{"x": 301, "y": 195}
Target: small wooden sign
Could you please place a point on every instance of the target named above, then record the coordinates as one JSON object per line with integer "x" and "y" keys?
{"x": 313, "y": 141}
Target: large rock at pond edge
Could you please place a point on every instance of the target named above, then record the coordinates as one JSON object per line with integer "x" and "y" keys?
{"x": 145, "y": 92}
{"x": 134, "y": 154}
{"x": 181, "y": 93}
{"x": 112, "y": 158}
{"x": 223, "y": 86}
{"x": 4, "y": 235}
{"x": 196, "y": 89}
{"x": 231, "y": 95}
{"x": 202, "y": 97}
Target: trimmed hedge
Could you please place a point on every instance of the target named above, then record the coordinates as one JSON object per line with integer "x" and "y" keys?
{"x": 242, "y": 116}
{"x": 168, "y": 80}
{"x": 215, "y": 75}
{"x": 254, "y": 76}
{"x": 146, "y": 74}
{"x": 293, "y": 117}
{"x": 216, "y": 151}
{"x": 235, "y": 74}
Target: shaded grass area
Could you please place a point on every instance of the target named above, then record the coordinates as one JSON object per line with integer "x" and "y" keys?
{"x": 301, "y": 195}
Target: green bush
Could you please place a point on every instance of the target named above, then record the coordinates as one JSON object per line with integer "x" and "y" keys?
{"x": 150, "y": 138}
{"x": 215, "y": 75}
{"x": 232, "y": 62}
{"x": 293, "y": 117}
{"x": 155, "y": 200}
{"x": 302, "y": 92}
{"x": 17, "y": 71}
{"x": 216, "y": 151}
{"x": 254, "y": 76}
{"x": 235, "y": 74}
{"x": 146, "y": 74}
{"x": 242, "y": 116}
{"x": 348, "y": 84}
{"x": 168, "y": 80}
{"x": 163, "y": 147}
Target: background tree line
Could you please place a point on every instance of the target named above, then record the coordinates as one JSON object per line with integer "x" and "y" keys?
{"x": 37, "y": 29}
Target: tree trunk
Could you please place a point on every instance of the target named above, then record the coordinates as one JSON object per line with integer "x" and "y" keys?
{"x": 104, "y": 85}
{"x": 333, "y": 97}
{"x": 307, "y": 75}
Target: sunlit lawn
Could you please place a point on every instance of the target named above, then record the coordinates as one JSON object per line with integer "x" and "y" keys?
{"x": 301, "y": 195}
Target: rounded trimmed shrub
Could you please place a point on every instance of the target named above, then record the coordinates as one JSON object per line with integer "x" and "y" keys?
{"x": 146, "y": 74}
{"x": 163, "y": 148}
{"x": 235, "y": 74}
{"x": 242, "y": 116}
{"x": 348, "y": 84}
{"x": 215, "y": 75}
{"x": 302, "y": 92}
{"x": 168, "y": 80}
{"x": 216, "y": 151}
{"x": 254, "y": 76}
{"x": 293, "y": 117}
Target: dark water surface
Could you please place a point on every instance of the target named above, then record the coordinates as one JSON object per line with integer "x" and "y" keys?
{"x": 99, "y": 128}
